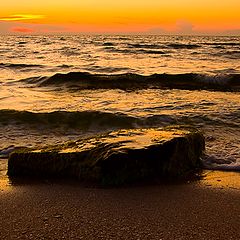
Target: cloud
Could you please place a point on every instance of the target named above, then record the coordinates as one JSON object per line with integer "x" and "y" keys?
{"x": 180, "y": 27}
{"x": 184, "y": 26}
{"x": 21, "y": 17}
{"x": 32, "y": 28}
{"x": 21, "y": 30}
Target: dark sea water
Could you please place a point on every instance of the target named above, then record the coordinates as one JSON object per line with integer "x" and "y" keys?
{"x": 59, "y": 88}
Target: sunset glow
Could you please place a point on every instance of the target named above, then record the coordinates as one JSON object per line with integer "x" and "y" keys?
{"x": 21, "y": 17}
{"x": 121, "y": 17}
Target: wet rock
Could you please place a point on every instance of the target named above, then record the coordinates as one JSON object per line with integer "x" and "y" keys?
{"x": 115, "y": 158}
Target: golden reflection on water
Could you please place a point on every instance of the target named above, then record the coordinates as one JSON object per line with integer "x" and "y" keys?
{"x": 139, "y": 103}
{"x": 221, "y": 179}
{"x": 133, "y": 139}
{"x": 144, "y": 137}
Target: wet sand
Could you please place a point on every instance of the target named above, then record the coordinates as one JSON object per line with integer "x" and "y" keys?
{"x": 47, "y": 210}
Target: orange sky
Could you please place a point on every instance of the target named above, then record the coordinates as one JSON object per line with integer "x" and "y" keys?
{"x": 125, "y": 16}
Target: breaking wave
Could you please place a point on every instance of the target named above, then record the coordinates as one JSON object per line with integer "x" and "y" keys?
{"x": 131, "y": 81}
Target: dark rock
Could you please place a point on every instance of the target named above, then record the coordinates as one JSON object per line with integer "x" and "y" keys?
{"x": 115, "y": 158}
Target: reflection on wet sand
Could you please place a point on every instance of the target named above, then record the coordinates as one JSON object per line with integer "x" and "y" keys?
{"x": 221, "y": 179}
{"x": 5, "y": 184}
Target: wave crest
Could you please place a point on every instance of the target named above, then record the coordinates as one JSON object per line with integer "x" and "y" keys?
{"x": 131, "y": 81}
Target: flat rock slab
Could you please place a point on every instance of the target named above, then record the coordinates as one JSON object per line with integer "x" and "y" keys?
{"x": 115, "y": 158}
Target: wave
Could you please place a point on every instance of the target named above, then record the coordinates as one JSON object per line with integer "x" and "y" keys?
{"x": 231, "y": 54}
{"x": 32, "y": 67}
{"x": 212, "y": 162}
{"x": 131, "y": 81}
{"x": 221, "y": 43}
{"x": 97, "y": 119}
{"x": 224, "y": 167}
{"x": 183, "y": 46}
{"x": 147, "y": 46}
{"x": 170, "y": 45}
{"x": 65, "y": 66}
{"x": 137, "y": 50}
{"x": 152, "y": 51}
{"x": 81, "y": 119}
{"x": 58, "y": 119}
{"x": 108, "y": 69}
{"x": 22, "y": 43}
{"x": 108, "y": 44}
{"x": 19, "y": 65}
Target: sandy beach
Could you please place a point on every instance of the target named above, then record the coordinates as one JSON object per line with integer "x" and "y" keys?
{"x": 207, "y": 209}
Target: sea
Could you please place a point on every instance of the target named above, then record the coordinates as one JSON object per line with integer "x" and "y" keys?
{"x": 55, "y": 89}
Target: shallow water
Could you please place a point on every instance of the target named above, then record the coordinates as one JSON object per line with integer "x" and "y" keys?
{"x": 34, "y": 115}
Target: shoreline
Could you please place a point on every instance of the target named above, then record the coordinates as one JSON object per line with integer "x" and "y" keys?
{"x": 56, "y": 210}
